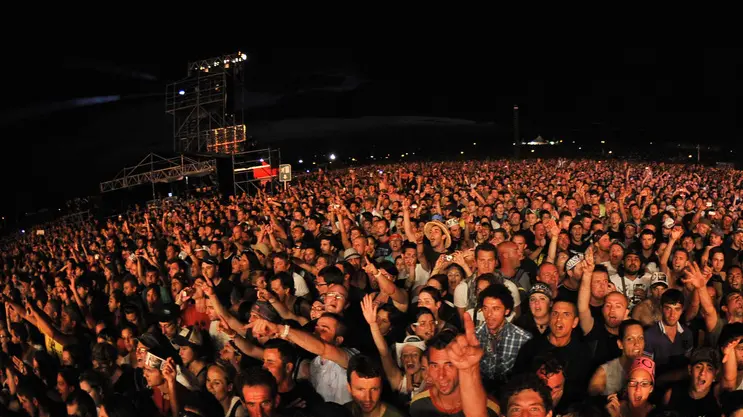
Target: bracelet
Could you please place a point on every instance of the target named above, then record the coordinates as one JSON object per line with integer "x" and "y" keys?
{"x": 285, "y": 333}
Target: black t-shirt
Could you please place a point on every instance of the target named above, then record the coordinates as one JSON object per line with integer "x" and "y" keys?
{"x": 302, "y": 392}
{"x": 576, "y": 249}
{"x": 223, "y": 290}
{"x": 603, "y": 345}
{"x": 683, "y": 404}
{"x": 565, "y": 293}
{"x": 573, "y": 357}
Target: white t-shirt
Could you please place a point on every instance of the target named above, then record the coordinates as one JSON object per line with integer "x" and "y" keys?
{"x": 628, "y": 288}
{"x": 421, "y": 276}
{"x": 300, "y": 285}
{"x": 460, "y": 295}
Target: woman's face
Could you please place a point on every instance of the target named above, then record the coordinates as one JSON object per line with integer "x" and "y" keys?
{"x": 317, "y": 309}
{"x": 425, "y": 327}
{"x": 216, "y": 383}
{"x": 455, "y": 277}
{"x": 187, "y": 355}
{"x": 643, "y": 386}
{"x": 63, "y": 388}
{"x": 426, "y": 300}
{"x": 383, "y": 321}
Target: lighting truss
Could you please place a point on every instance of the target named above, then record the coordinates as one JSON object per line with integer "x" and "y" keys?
{"x": 154, "y": 168}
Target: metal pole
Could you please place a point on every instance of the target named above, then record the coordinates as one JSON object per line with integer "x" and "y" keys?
{"x": 152, "y": 169}
{"x": 516, "y": 135}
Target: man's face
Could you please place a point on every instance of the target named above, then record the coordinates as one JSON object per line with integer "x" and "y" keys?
{"x": 632, "y": 264}
{"x": 272, "y": 362}
{"x": 527, "y": 403}
{"x": 679, "y": 261}
{"x": 153, "y": 376}
{"x": 657, "y": 291}
{"x": 494, "y": 312}
{"x": 647, "y": 241}
{"x": 360, "y": 245}
{"x": 734, "y": 306}
{"x": 279, "y": 290}
{"x": 169, "y": 329}
{"x": 325, "y": 246}
{"x": 395, "y": 244}
{"x": 702, "y": 376}
{"x": 129, "y": 289}
{"x": 735, "y": 278}
{"x": 326, "y": 329}
{"x": 576, "y": 233}
{"x": 336, "y": 299}
{"x": 366, "y": 392}
{"x": 599, "y": 284}
{"x": 112, "y": 304}
{"x": 548, "y": 274}
{"x": 633, "y": 342}
{"x": 562, "y": 319}
{"x": 208, "y": 270}
{"x": 280, "y": 265}
{"x": 672, "y": 313}
{"x": 485, "y": 262}
{"x": 258, "y": 402}
{"x": 520, "y": 244}
{"x": 442, "y": 371}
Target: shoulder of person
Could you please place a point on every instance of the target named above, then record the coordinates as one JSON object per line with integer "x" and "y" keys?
{"x": 420, "y": 398}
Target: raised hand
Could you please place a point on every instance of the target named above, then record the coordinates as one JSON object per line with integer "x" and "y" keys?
{"x": 694, "y": 276}
{"x": 613, "y": 405}
{"x": 168, "y": 370}
{"x": 369, "y": 309}
{"x": 465, "y": 351}
{"x": 676, "y": 233}
{"x": 728, "y": 352}
{"x": 262, "y": 327}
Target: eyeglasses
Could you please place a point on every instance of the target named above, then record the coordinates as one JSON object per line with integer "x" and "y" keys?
{"x": 644, "y": 384}
{"x": 335, "y": 295}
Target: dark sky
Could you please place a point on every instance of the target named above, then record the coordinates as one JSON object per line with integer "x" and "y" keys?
{"x": 59, "y": 143}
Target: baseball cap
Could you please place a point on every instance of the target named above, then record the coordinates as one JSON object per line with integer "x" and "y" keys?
{"x": 189, "y": 336}
{"x": 705, "y": 354}
{"x": 210, "y": 261}
{"x": 452, "y": 223}
{"x": 350, "y": 253}
{"x": 572, "y": 262}
{"x": 643, "y": 363}
{"x": 658, "y": 278}
{"x": 708, "y": 222}
{"x": 396, "y": 236}
{"x": 541, "y": 288}
{"x": 669, "y": 223}
{"x": 149, "y": 340}
{"x": 169, "y": 312}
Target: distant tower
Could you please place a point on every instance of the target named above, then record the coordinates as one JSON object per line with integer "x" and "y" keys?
{"x": 516, "y": 135}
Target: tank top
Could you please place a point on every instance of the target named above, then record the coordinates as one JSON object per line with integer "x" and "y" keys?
{"x": 688, "y": 407}
{"x": 615, "y": 376}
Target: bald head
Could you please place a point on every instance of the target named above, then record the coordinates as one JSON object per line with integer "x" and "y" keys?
{"x": 508, "y": 254}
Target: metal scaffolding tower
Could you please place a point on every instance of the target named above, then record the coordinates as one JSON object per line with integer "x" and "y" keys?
{"x": 207, "y": 106}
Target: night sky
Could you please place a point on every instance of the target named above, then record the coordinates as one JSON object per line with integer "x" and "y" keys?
{"x": 62, "y": 136}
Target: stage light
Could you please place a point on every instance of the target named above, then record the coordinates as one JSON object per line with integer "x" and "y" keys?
{"x": 461, "y": 152}
{"x": 308, "y": 171}
{"x": 181, "y": 92}
{"x": 690, "y": 156}
{"x": 260, "y": 160}
{"x": 170, "y": 194}
{"x": 332, "y": 157}
{"x": 243, "y": 56}
{"x": 610, "y": 152}
{"x": 300, "y": 161}
{"x": 23, "y": 231}
{"x": 603, "y": 141}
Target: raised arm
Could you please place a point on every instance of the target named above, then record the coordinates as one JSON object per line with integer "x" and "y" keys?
{"x": 699, "y": 281}
{"x": 730, "y": 366}
{"x": 465, "y": 354}
{"x": 302, "y": 339}
{"x": 675, "y": 235}
{"x": 387, "y": 286}
{"x": 393, "y": 372}
{"x": 584, "y": 294}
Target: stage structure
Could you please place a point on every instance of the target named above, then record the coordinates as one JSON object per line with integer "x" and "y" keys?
{"x": 252, "y": 169}
{"x": 207, "y": 106}
{"x": 156, "y": 169}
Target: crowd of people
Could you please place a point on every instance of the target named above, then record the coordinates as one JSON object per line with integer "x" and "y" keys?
{"x": 499, "y": 288}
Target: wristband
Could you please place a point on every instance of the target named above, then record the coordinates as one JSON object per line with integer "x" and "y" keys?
{"x": 285, "y": 333}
